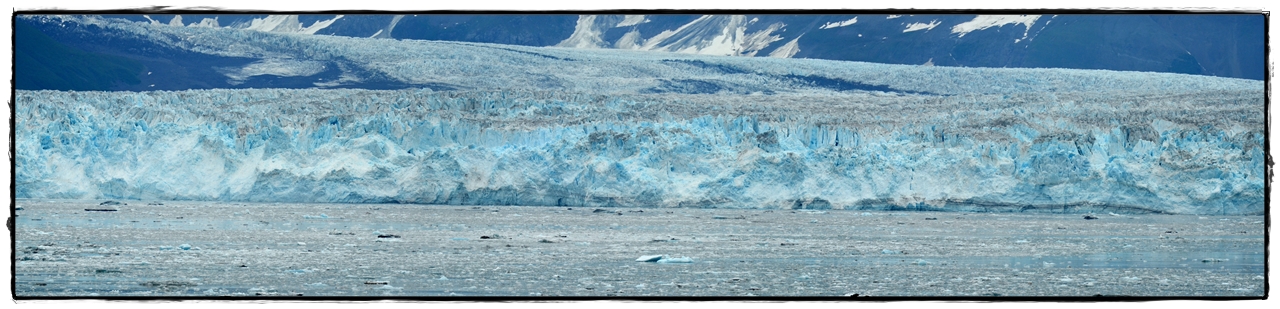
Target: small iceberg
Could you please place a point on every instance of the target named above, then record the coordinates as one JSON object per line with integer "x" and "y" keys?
{"x": 321, "y": 216}
{"x": 664, "y": 259}
{"x": 683, "y": 259}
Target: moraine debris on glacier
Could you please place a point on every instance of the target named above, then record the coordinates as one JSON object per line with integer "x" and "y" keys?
{"x": 554, "y": 126}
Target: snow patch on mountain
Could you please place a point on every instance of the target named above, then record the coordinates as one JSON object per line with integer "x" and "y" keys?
{"x": 206, "y": 23}
{"x": 277, "y": 67}
{"x": 839, "y": 24}
{"x": 176, "y": 21}
{"x": 287, "y": 24}
{"x": 585, "y": 34}
{"x": 988, "y": 21}
{"x": 921, "y": 26}
{"x": 632, "y": 20}
{"x": 631, "y": 40}
{"x": 385, "y": 33}
{"x": 723, "y": 35}
{"x": 787, "y": 50}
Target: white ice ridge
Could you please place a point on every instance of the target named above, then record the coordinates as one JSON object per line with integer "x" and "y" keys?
{"x": 921, "y": 26}
{"x": 839, "y": 24}
{"x": 987, "y": 21}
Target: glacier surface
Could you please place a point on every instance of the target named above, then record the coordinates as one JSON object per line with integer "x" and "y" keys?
{"x": 559, "y": 126}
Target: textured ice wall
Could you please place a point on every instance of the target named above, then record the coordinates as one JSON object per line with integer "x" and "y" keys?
{"x": 1083, "y": 151}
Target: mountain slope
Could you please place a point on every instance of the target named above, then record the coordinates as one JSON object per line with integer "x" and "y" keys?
{"x": 47, "y": 64}
{"x": 1228, "y": 45}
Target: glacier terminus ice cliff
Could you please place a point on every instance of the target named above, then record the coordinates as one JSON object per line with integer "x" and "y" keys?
{"x": 488, "y": 124}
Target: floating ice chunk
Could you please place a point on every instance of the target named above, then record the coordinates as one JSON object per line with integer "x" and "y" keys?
{"x": 321, "y": 216}
{"x": 887, "y": 251}
{"x": 667, "y": 260}
{"x": 921, "y": 262}
{"x": 650, "y": 258}
{"x": 867, "y": 214}
{"x": 165, "y": 248}
{"x": 185, "y": 247}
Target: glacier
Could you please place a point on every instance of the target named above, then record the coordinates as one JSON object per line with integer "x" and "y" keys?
{"x": 547, "y": 126}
